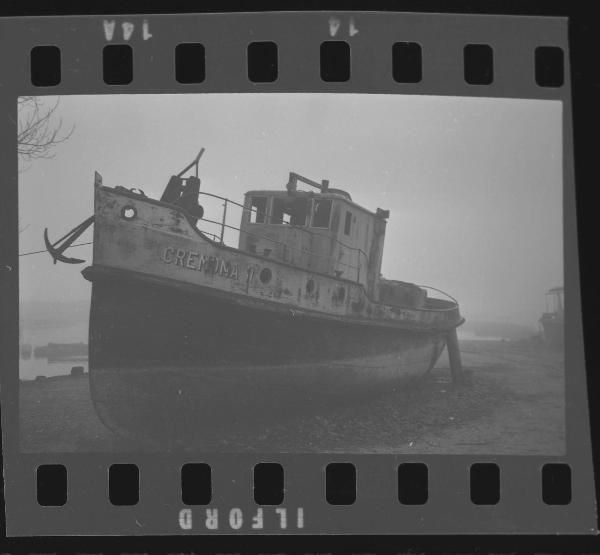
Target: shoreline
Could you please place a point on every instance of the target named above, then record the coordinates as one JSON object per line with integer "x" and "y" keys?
{"x": 512, "y": 403}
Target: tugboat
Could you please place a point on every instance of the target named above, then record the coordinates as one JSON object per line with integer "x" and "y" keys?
{"x": 186, "y": 330}
{"x": 553, "y": 320}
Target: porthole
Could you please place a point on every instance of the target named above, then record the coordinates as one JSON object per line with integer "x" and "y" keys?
{"x": 265, "y": 275}
{"x": 128, "y": 213}
{"x": 310, "y": 286}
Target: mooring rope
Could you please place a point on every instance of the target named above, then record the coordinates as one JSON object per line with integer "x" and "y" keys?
{"x": 70, "y": 246}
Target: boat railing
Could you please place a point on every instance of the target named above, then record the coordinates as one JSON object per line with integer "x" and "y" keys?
{"x": 450, "y": 297}
{"x": 223, "y": 225}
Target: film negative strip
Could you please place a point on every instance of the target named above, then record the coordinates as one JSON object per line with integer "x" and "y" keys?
{"x": 231, "y": 359}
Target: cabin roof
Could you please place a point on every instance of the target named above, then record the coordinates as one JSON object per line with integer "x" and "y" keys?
{"x": 310, "y": 194}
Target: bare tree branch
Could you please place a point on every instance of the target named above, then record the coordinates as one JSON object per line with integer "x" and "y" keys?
{"x": 37, "y": 133}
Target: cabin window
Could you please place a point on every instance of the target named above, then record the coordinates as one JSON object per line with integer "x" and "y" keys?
{"x": 290, "y": 211}
{"x": 347, "y": 223}
{"x": 321, "y": 213}
{"x": 258, "y": 210}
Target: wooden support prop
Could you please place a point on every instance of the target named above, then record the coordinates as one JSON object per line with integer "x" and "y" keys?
{"x": 454, "y": 356}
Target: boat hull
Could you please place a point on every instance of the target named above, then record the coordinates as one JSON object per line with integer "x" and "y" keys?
{"x": 168, "y": 363}
{"x": 554, "y": 332}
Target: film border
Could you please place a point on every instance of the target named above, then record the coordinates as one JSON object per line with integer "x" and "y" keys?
{"x": 298, "y": 36}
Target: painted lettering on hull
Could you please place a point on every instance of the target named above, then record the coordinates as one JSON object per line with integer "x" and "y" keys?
{"x": 200, "y": 262}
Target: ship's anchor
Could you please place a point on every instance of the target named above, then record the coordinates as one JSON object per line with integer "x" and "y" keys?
{"x": 57, "y": 248}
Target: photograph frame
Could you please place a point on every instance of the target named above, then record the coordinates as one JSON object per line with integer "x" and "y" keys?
{"x": 453, "y": 511}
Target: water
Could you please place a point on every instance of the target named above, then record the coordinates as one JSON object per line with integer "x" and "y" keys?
{"x": 41, "y": 335}
{"x": 471, "y": 336}
{"x": 32, "y": 367}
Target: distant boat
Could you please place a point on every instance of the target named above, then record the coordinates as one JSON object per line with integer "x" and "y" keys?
{"x": 61, "y": 351}
{"x": 182, "y": 324}
{"x": 25, "y": 350}
{"x": 553, "y": 320}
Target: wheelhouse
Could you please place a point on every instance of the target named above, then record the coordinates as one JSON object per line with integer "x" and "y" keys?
{"x": 325, "y": 232}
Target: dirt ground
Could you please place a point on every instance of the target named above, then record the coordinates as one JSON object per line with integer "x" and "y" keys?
{"x": 512, "y": 402}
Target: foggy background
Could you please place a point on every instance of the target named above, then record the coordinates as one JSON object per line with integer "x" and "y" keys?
{"x": 474, "y": 185}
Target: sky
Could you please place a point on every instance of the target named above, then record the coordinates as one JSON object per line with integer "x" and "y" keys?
{"x": 473, "y": 185}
